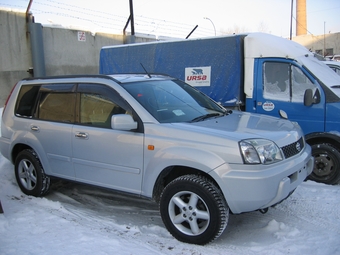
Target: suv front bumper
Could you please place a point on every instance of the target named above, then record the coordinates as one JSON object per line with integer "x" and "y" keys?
{"x": 252, "y": 187}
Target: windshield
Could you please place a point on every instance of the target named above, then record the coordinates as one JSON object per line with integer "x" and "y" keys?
{"x": 173, "y": 101}
{"x": 325, "y": 74}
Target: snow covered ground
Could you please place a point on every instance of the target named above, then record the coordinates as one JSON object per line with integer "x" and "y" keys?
{"x": 80, "y": 219}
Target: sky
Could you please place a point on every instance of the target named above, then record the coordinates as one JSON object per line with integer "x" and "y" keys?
{"x": 177, "y": 18}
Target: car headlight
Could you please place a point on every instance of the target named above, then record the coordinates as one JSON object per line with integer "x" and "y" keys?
{"x": 260, "y": 151}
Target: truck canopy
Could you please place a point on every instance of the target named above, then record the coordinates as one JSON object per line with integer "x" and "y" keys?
{"x": 195, "y": 61}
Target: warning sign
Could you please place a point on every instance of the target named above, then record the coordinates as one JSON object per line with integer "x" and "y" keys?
{"x": 81, "y": 36}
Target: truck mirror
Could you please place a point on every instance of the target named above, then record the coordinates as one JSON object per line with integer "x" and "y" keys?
{"x": 310, "y": 99}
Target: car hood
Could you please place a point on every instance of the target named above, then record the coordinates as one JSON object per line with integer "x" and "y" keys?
{"x": 241, "y": 125}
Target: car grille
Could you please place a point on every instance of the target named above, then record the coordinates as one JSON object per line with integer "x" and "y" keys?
{"x": 293, "y": 148}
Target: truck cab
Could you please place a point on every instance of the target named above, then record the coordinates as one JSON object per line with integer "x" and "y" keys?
{"x": 288, "y": 77}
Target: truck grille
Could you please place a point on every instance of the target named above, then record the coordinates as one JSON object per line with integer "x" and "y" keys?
{"x": 293, "y": 148}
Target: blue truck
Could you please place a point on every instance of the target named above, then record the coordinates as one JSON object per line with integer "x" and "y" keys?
{"x": 255, "y": 72}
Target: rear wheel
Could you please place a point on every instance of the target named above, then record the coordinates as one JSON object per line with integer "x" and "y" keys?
{"x": 194, "y": 210}
{"x": 30, "y": 174}
{"x": 326, "y": 164}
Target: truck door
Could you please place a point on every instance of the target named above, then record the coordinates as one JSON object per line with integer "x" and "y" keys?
{"x": 282, "y": 86}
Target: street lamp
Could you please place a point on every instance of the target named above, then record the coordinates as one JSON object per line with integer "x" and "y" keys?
{"x": 211, "y": 23}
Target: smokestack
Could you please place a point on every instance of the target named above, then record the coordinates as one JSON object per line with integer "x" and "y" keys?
{"x": 301, "y": 18}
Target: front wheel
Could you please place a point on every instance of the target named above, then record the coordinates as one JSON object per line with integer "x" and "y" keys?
{"x": 326, "y": 164}
{"x": 30, "y": 174}
{"x": 194, "y": 210}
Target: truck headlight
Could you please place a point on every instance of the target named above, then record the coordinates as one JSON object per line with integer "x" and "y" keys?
{"x": 260, "y": 151}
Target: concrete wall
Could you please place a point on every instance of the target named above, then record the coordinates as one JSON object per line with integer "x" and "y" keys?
{"x": 66, "y": 54}
{"x": 63, "y": 52}
{"x": 15, "y": 54}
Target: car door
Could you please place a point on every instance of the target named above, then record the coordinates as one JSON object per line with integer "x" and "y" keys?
{"x": 282, "y": 87}
{"x": 101, "y": 155}
{"x": 52, "y": 127}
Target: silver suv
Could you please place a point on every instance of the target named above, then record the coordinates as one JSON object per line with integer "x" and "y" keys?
{"x": 157, "y": 137}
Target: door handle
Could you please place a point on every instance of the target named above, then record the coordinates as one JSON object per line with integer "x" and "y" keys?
{"x": 82, "y": 135}
{"x": 35, "y": 128}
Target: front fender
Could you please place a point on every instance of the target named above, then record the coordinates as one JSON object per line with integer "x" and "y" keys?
{"x": 203, "y": 160}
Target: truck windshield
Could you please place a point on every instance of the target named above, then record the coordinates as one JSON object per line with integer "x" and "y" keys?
{"x": 173, "y": 101}
{"x": 325, "y": 74}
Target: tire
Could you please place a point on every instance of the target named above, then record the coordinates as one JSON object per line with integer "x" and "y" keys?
{"x": 30, "y": 174}
{"x": 326, "y": 164}
{"x": 194, "y": 210}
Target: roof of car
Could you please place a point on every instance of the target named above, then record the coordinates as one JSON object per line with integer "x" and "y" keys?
{"x": 120, "y": 78}
{"x": 126, "y": 78}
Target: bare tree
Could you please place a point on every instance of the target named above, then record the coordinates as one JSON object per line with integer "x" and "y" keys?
{"x": 235, "y": 30}
{"x": 263, "y": 27}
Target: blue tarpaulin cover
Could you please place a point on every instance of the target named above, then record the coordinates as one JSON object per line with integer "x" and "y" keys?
{"x": 224, "y": 55}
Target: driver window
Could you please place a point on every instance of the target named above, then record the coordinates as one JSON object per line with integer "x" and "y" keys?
{"x": 300, "y": 83}
{"x": 276, "y": 81}
{"x": 97, "y": 105}
{"x": 285, "y": 82}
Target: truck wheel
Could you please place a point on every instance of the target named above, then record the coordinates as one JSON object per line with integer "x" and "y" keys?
{"x": 194, "y": 210}
{"x": 326, "y": 164}
{"x": 30, "y": 174}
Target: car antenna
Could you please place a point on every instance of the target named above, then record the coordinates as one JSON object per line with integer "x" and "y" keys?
{"x": 145, "y": 70}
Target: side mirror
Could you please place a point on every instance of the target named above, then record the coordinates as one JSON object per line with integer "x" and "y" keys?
{"x": 123, "y": 122}
{"x": 310, "y": 99}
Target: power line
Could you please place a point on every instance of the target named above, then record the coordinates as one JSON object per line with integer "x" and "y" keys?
{"x": 110, "y": 21}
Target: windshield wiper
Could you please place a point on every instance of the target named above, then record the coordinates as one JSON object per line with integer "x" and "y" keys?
{"x": 206, "y": 116}
{"x": 335, "y": 87}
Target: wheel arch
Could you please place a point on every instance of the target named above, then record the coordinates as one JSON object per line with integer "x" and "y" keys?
{"x": 17, "y": 149}
{"x": 323, "y": 137}
{"x": 172, "y": 172}
{"x": 36, "y": 147}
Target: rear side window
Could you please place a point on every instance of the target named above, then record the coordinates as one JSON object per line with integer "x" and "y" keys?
{"x": 57, "y": 107}
{"x": 54, "y": 102}
{"x": 57, "y": 103}
{"x": 26, "y": 101}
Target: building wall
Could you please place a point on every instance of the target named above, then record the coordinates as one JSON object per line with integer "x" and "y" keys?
{"x": 324, "y": 43}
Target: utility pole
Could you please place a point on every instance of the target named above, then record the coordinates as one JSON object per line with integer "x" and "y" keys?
{"x": 324, "y": 39}
{"x": 291, "y": 20}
